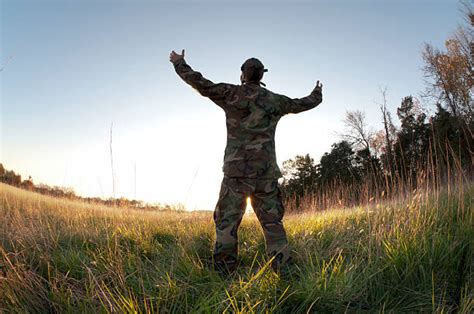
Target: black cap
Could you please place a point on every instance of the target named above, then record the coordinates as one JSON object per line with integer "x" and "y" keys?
{"x": 253, "y": 70}
{"x": 253, "y": 63}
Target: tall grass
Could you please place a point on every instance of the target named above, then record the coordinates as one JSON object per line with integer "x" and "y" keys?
{"x": 410, "y": 254}
{"x": 439, "y": 171}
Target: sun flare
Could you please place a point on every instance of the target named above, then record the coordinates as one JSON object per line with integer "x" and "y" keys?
{"x": 249, "y": 208}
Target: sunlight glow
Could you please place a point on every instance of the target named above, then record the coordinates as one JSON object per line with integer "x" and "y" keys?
{"x": 249, "y": 208}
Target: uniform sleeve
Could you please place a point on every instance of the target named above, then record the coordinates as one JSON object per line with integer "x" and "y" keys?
{"x": 216, "y": 92}
{"x": 295, "y": 105}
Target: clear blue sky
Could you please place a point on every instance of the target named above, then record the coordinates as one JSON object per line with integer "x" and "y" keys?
{"x": 77, "y": 66}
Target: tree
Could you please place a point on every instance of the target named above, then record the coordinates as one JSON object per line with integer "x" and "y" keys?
{"x": 11, "y": 178}
{"x": 450, "y": 73}
{"x": 356, "y": 131}
{"x": 412, "y": 139}
{"x": 299, "y": 176}
{"x": 389, "y": 133}
{"x": 448, "y": 140}
{"x": 339, "y": 165}
{"x": 450, "y": 79}
{"x": 362, "y": 138}
{"x": 28, "y": 184}
{"x": 368, "y": 166}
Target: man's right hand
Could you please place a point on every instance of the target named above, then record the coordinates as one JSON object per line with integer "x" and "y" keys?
{"x": 175, "y": 57}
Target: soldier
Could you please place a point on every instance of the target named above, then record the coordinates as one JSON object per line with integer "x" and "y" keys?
{"x": 250, "y": 167}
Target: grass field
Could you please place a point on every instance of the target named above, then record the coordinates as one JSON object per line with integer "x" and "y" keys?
{"x": 412, "y": 255}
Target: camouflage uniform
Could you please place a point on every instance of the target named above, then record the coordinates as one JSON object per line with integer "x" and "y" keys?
{"x": 250, "y": 167}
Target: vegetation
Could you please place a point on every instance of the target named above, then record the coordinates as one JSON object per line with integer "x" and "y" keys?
{"x": 382, "y": 164}
{"x": 62, "y": 255}
{"x": 11, "y": 178}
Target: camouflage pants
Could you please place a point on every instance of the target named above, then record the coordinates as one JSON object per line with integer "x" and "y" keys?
{"x": 266, "y": 200}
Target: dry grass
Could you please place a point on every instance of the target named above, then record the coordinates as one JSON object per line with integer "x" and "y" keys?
{"x": 412, "y": 254}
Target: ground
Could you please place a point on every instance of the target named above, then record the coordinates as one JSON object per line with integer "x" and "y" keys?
{"x": 412, "y": 254}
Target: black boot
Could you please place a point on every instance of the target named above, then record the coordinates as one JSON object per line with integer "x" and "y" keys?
{"x": 225, "y": 265}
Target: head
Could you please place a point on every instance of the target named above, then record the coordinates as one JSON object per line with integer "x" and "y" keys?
{"x": 252, "y": 71}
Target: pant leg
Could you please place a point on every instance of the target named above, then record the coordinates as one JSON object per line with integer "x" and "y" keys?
{"x": 268, "y": 206}
{"x": 227, "y": 217}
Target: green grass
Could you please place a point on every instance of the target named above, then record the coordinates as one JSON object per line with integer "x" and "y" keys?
{"x": 407, "y": 256}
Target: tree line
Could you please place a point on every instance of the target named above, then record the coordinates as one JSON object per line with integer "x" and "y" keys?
{"x": 369, "y": 163}
{"x": 11, "y": 178}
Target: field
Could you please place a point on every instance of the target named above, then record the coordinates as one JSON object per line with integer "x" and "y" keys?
{"x": 410, "y": 255}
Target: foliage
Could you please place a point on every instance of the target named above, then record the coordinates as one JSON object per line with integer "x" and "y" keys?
{"x": 412, "y": 142}
{"x": 357, "y": 133}
{"x": 452, "y": 76}
{"x": 299, "y": 175}
{"x": 390, "y": 160}
{"x": 450, "y": 80}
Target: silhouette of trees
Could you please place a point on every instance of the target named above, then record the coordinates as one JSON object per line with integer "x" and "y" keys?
{"x": 357, "y": 132}
{"x": 363, "y": 165}
{"x": 340, "y": 164}
{"x": 299, "y": 176}
{"x": 450, "y": 80}
{"x": 383, "y": 139}
{"x": 11, "y": 178}
{"x": 384, "y": 158}
{"x": 412, "y": 141}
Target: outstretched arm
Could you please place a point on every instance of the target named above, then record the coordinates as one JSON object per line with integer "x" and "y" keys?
{"x": 295, "y": 105}
{"x": 204, "y": 86}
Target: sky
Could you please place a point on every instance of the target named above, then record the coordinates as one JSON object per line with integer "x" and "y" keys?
{"x": 73, "y": 68}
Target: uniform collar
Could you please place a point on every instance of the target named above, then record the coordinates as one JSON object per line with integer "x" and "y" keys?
{"x": 254, "y": 83}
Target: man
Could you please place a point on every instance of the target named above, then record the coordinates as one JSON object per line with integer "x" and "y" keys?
{"x": 250, "y": 167}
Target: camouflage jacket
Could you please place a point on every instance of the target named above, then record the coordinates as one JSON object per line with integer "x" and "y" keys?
{"x": 252, "y": 113}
